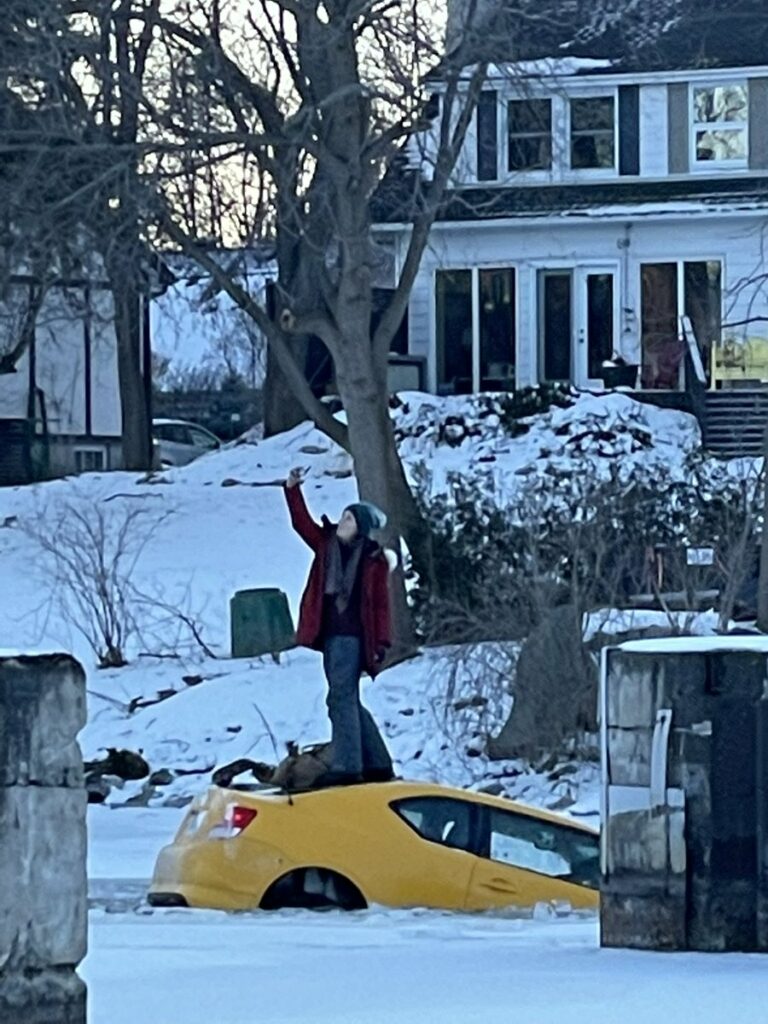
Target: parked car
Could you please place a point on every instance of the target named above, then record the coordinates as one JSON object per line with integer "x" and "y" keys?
{"x": 177, "y": 442}
{"x": 398, "y": 843}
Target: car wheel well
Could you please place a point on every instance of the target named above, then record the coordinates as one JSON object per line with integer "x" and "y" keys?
{"x": 313, "y": 888}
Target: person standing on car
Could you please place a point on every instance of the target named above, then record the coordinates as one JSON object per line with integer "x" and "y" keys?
{"x": 345, "y": 613}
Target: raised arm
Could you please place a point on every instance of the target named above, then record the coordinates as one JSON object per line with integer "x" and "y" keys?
{"x": 303, "y": 523}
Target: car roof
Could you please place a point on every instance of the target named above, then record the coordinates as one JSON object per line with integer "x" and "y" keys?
{"x": 386, "y": 792}
{"x": 160, "y": 422}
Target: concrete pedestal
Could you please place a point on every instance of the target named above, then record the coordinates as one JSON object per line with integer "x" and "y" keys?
{"x": 43, "y": 886}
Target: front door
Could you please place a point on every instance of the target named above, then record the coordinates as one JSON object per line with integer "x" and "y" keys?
{"x": 577, "y": 323}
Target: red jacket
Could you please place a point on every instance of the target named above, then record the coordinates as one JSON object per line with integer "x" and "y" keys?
{"x": 374, "y": 589}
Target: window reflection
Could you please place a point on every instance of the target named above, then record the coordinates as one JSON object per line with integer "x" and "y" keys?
{"x": 720, "y": 115}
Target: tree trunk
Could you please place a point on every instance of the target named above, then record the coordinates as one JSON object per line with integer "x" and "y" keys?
{"x": 762, "y": 586}
{"x": 136, "y": 428}
{"x": 381, "y": 479}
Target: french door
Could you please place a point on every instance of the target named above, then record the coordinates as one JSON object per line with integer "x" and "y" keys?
{"x": 577, "y": 323}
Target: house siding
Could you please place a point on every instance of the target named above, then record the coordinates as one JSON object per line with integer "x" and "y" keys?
{"x": 678, "y": 128}
{"x": 758, "y": 123}
{"x": 105, "y": 396}
{"x": 654, "y": 131}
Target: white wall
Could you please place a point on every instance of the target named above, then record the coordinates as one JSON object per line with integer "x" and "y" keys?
{"x": 106, "y": 418}
{"x": 60, "y": 366}
{"x": 60, "y": 360}
{"x": 654, "y": 140}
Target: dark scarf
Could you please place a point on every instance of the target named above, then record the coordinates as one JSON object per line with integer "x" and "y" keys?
{"x": 340, "y": 579}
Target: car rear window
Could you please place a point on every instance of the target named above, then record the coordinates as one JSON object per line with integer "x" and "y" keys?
{"x": 441, "y": 820}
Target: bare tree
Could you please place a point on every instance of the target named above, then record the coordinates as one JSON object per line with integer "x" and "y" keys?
{"x": 72, "y": 78}
{"x": 90, "y": 570}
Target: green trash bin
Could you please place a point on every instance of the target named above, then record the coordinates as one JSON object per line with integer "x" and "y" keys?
{"x": 260, "y": 622}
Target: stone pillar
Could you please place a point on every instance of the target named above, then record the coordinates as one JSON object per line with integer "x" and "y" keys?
{"x": 43, "y": 886}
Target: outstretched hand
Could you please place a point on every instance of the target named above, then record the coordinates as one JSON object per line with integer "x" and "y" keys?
{"x": 295, "y": 477}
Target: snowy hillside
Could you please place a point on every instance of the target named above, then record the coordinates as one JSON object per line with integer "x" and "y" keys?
{"x": 194, "y": 536}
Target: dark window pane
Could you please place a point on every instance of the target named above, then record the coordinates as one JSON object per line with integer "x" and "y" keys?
{"x": 439, "y": 820}
{"x": 702, "y": 283}
{"x": 599, "y": 321}
{"x": 497, "y": 329}
{"x": 661, "y": 345}
{"x": 529, "y": 116}
{"x": 453, "y": 300}
{"x": 487, "y": 137}
{"x": 529, "y": 128}
{"x": 544, "y": 847}
{"x": 530, "y": 153}
{"x": 556, "y": 324}
{"x": 592, "y": 114}
{"x": 592, "y": 150}
{"x": 592, "y": 133}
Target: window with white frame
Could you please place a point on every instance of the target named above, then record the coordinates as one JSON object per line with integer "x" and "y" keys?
{"x": 475, "y": 330}
{"x": 720, "y": 123}
{"x": 529, "y": 135}
{"x": 91, "y": 459}
{"x": 593, "y": 132}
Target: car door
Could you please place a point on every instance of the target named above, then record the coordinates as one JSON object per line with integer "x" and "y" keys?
{"x": 524, "y": 860}
{"x": 436, "y": 858}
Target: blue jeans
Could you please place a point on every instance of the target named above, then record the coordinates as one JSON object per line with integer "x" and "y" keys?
{"x": 357, "y": 743}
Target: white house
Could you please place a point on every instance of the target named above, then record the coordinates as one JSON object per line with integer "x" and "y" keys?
{"x": 597, "y": 203}
{"x": 60, "y": 401}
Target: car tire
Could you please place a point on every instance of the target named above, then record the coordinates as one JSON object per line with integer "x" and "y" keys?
{"x": 313, "y": 889}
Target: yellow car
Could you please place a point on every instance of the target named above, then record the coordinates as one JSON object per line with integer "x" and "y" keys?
{"x": 402, "y": 844}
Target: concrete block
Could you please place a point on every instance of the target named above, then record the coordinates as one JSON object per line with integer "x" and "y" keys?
{"x": 42, "y": 709}
{"x": 630, "y": 761}
{"x": 54, "y": 996}
{"x": 43, "y": 886}
{"x": 643, "y": 921}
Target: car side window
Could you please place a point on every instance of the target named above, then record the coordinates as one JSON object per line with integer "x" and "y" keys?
{"x": 441, "y": 820}
{"x": 544, "y": 846}
{"x": 202, "y": 440}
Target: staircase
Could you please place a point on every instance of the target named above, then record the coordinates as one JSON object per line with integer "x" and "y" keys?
{"x": 735, "y": 420}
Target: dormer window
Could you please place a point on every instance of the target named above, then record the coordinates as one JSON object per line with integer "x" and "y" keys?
{"x": 593, "y": 133}
{"x": 720, "y": 114}
{"x": 529, "y": 135}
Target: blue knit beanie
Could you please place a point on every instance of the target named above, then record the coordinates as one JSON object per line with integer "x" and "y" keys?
{"x": 368, "y": 517}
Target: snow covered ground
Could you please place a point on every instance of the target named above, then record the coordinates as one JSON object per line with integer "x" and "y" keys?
{"x": 412, "y": 967}
{"x": 377, "y": 966}
{"x": 204, "y": 531}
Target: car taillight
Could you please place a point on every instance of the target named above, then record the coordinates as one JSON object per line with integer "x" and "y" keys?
{"x": 236, "y": 819}
{"x": 240, "y": 817}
